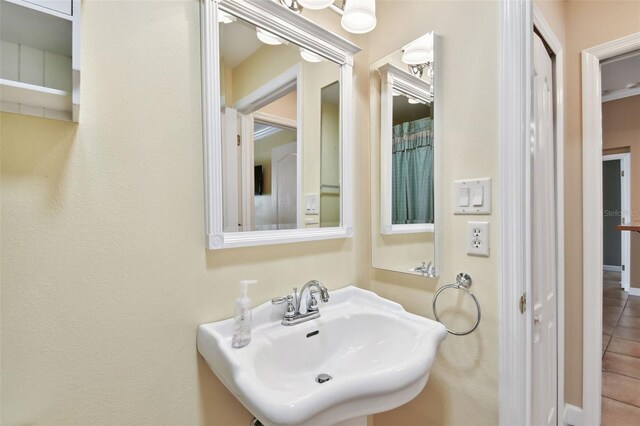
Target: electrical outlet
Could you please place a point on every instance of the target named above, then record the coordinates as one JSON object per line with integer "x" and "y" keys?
{"x": 478, "y": 238}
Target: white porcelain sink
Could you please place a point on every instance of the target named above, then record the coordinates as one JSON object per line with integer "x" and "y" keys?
{"x": 378, "y": 355}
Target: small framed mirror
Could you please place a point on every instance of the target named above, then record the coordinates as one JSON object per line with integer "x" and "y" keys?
{"x": 407, "y": 153}
{"x": 277, "y": 106}
{"x": 405, "y": 158}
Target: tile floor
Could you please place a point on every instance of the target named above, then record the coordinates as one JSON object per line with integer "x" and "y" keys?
{"x": 620, "y": 354}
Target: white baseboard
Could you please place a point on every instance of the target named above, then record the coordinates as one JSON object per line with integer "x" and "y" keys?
{"x": 633, "y": 291}
{"x": 572, "y": 415}
{"x": 611, "y": 268}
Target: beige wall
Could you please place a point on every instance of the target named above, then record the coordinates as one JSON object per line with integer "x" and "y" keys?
{"x": 621, "y": 129}
{"x": 588, "y": 24}
{"x": 105, "y": 276}
{"x": 463, "y": 386}
{"x": 104, "y": 272}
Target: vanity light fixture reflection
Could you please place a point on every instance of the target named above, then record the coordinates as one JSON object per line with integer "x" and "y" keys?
{"x": 225, "y": 17}
{"x": 268, "y": 38}
{"x": 419, "y": 51}
{"x": 315, "y": 4}
{"x": 309, "y": 56}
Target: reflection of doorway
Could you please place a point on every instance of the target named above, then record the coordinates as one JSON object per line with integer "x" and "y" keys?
{"x": 276, "y": 104}
{"x": 271, "y": 145}
{"x": 616, "y": 204}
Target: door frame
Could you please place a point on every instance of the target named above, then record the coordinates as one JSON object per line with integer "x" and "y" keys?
{"x": 592, "y": 219}
{"x": 625, "y": 207}
{"x": 514, "y": 167}
{"x": 519, "y": 17}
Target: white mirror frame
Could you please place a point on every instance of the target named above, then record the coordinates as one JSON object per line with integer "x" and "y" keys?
{"x": 395, "y": 79}
{"x": 276, "y": 19}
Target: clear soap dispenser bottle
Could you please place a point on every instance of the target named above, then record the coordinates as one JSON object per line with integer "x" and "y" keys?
{"x": 242, "y": 319}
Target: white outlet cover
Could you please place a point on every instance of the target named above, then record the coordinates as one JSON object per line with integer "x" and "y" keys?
{"x": 478, "y": 238}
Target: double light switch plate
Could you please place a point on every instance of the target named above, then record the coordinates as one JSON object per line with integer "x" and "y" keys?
{"x": 472, "y": 196}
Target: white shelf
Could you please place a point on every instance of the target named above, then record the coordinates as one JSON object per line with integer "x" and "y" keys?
{"x": 32, "y": 95}
{"x": 40, "y": 58}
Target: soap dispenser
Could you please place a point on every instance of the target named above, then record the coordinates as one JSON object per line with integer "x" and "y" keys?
{"x": 242, "y": 319}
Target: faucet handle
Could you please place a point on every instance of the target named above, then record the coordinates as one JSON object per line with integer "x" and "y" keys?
{"x": 312, "y": 303}
{"x": 290, "y": 310}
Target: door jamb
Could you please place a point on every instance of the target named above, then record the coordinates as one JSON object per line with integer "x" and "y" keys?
{"x": 592, "y": 219}
{"x": 515, "y": 233}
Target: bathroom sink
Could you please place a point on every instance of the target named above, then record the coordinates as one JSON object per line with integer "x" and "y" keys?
{"x": 364, "y": 355}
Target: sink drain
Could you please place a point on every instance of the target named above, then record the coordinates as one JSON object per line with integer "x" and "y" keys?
{"x": 323, "y": 378}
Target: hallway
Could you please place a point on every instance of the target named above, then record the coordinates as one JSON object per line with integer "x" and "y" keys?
{"x": 621, "y": 354}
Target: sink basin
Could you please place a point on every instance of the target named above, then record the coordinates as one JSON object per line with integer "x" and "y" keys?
{"x": 377, "y": 357}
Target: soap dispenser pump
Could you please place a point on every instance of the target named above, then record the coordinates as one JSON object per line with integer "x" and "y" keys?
{"x": 242, "y": 319}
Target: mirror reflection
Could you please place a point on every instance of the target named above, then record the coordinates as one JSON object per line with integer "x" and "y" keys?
{"x": 412, "y": 161}
{"x": 404, "y": 159}
{"x": 280, "y": 110}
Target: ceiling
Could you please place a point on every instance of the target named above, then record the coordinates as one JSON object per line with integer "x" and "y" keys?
{"x": 621, "y": 76}
{"x": 238, "y": 41}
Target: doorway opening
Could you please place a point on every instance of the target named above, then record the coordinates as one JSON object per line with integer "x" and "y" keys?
{"x": 592, "y": 143}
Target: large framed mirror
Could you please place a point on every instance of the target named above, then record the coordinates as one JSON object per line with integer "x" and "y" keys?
{"x": 405, "y": 158}
{"x": 277, "y": 106}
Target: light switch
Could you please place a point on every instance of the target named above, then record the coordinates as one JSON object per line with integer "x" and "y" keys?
{"x": 477, "y": 194}
{"x": 472, "y": 196}
{"x": 464, "y": 197}
{"x": 312, "y": 202}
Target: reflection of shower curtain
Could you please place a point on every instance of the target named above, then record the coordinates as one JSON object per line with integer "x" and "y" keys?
{"x": 412, "y": 164}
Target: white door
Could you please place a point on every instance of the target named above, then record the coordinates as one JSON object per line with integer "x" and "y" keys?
{"x": 284, "y": 185}
{"x": 544, "y": 243}
{"x": 231, "y": 200}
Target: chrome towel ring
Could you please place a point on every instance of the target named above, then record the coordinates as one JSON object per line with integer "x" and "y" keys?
{"x": 463, "y": 282}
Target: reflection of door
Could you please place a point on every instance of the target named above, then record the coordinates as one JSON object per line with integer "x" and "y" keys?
{"x": 616, "y": 199}
{"x": 231, "y": 157}
{"x": 284, "y": 185}
{"x": 544, "y": 243}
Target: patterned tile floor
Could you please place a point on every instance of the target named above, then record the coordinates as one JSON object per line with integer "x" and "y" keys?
{"x": 620, "y": 354}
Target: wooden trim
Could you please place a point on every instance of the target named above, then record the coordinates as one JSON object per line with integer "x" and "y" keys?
{"x": 614, "y": 151}
{"x": 515, "y": 238}
{"x": 632, "y": 226}
{"x": 621, "y": 94}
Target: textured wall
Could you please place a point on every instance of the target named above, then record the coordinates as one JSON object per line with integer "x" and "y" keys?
{"x": 463, "y": 387}
{"x": 104, "y": 272}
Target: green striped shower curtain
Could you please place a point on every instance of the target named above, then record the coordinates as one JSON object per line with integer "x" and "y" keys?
{"x": 412, "y": 166}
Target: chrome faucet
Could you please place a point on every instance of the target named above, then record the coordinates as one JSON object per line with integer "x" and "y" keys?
{"x": 292, "y": 314}
{"x": 426, "y": 270}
